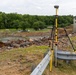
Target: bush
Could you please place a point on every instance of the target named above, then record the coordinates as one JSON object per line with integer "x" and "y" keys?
{"x": 39, "y": 25}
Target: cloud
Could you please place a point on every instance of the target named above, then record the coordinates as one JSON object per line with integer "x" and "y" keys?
{"x": 38, "y": 7}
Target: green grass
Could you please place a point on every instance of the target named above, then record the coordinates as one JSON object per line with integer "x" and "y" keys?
{"x": 43, "y": 30}
{"x": 34, "y": 53}
{"x": 24, "y": 57}
{"x": 12, "y": 54}
{"x": 30, "y": 30}
{"x": 8, "y": 30}
{"x": 68, "y": 68}
{"x": 62, "y": 69}
{"x": 73, "y": 38}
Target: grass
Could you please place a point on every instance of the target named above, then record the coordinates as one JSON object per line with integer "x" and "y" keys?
{"x": 34, "y": 54}
{"x": 22, "y": 51}
{"x": 8, "y": 30}
{"x": 43, "y": 30}
{"x": 73, "y": 41}
{"x": 24, "y": 57}
{"x": 73, "y": 38}
{"x": 62, "y": 69}
{"x": 68, "y": 68}
{"x": 30, "y": 30}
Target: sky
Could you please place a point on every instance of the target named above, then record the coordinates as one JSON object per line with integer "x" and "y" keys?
{"x": 38, "y": 7}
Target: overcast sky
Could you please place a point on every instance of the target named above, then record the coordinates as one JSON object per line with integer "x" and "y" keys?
{"x": 38, "y": 7}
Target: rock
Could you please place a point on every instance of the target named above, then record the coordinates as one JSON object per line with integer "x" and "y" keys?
{"x": 2, "y": 44}
{"x": 25, "y": 44}
{"x": 31, "y": 40}
{"x": 15, "y": 45}
{"x": 9, "y": 47}
{"x": 9, "y": 63}
{"x": 70, "y": 35}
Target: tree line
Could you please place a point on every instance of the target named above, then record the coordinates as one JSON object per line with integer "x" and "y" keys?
{"x": 14, "y": 20}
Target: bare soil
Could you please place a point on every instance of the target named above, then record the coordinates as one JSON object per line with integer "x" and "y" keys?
{"x": 20, "y": 63}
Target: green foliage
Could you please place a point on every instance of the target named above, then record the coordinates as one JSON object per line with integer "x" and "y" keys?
{"x": 24, "y": 25}
{"x": 14, "y": 20}
{"x": 16, "y": 24}
{"x": 39, "y": 25}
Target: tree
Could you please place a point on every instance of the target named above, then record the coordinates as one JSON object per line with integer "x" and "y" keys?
{"x": 24, "y": 25}
{"x": 39, "y": 25}
{"x": 13, "y": 20}
{"x": 16, "y": 24}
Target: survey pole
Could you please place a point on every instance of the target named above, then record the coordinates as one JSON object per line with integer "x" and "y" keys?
{"x": 56, "y": 33}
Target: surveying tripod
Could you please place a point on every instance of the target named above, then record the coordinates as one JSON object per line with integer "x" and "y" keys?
{"x": 52, "y": 37}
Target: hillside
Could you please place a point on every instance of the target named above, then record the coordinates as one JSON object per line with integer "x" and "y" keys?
{"x": 19, "y": 60}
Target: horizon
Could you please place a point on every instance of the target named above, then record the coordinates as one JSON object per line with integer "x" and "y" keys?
{"x": 34, "y": 15}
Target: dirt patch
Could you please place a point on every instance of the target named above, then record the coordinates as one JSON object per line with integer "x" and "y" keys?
{"x": 63, "y": 42}
{"x": 20, "y": 64}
